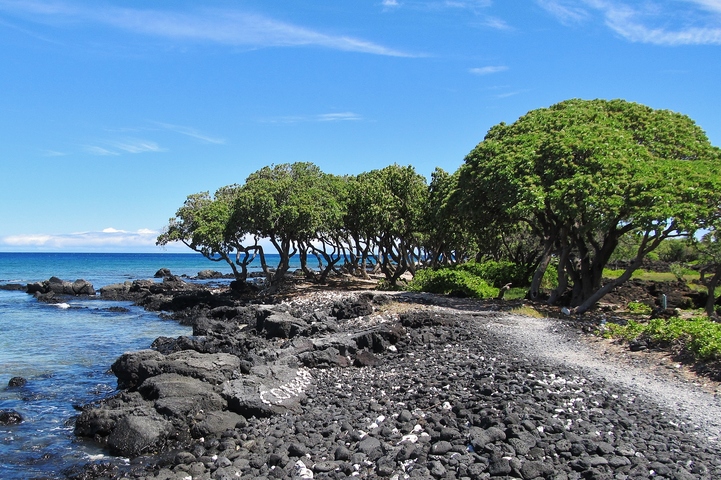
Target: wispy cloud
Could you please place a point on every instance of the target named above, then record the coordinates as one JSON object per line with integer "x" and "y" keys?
{"x": 109, "y": 238}
{"x": 190, "y": 132}
{"x": 53, "y": 153}
{"x": 138, "y": 146}
{"x": 510, "y": 94}
{"x": 132, "y": 146}
{"x": 488, "y": 70}
{"x": 713, "y": 6}
{"x": 658, "y": 23}
{"x": 467, "y": 4}
{"x": 101, "y": 151}
{"x": 567, "y": 12}
{"x": 323, "y": 117}
{"x": 232, "y": 27}
{"x": 495, "y": 23}
{"x": 338, "y": 117}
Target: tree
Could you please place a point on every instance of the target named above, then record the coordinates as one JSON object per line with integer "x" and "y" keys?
{"x": 384, "y": 218}
{"x": 447, "y": 239}
{"x": 709, "y": 249}
{"x": 291, "y": 205}
{"x": 401, "y": 195}
{"x": 581, "y": 174}
{"x": 202, "y": 224}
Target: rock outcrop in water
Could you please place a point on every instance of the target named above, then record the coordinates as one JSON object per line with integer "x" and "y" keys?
{"x": 10, "y": 417}
{"x": 335, "y": 385}
{"x": 54, "y": 289}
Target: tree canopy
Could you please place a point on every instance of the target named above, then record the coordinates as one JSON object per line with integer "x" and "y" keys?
{"x": 562, "y": 186}
{"x": 581, "y": 174}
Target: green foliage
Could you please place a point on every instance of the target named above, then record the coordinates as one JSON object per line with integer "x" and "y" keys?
{"x": 697, "y": 335}
{"x": 677, "y": 271}
{"x": 638, "y": 308}
{"x": 451, "y": 281}
{"x": 583, "y": 173}
{"x": 550, "y": 278}
{"x": 386, "y": 211}
{"x": 496, "y": 273}
{"x": 677, "y": 250}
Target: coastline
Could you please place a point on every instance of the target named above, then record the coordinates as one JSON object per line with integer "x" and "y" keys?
{"x": 329, "y": 383}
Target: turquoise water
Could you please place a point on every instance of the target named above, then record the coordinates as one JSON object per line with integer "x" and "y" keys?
{"x": 65, "y": 352}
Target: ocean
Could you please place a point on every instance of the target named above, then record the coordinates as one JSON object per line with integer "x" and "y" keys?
{"x": 65, "y": 351}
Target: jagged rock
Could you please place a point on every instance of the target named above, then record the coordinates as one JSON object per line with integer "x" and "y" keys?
{"x": 163, "y": 273}
{"x": 56, "y": 286}
{"x": 179, "y": 396}
{"x": 352, "y": 308}
{"x": 216, "y": 422}
{"x": 209, "y": 274}
{"x": 267, "y": 390}
{"x": 135, "y": 434}
{"x": 214, "y": 368}
{"x": 17, "y": 382}
{"x": 10, "y": 417}
{"x": 281, "y": 325}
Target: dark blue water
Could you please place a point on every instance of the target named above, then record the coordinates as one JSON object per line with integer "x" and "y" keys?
{"x": 65, "y": 351}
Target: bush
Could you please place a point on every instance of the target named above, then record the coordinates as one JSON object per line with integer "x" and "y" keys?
{"x": 699, "y": 335}
{"x": 451, "y": 281}
{"x": 638, "y": 308}
{"x": 497, "y": 273}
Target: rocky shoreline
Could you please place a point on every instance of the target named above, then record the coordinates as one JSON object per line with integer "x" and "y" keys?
{"x": 334, "y": 384}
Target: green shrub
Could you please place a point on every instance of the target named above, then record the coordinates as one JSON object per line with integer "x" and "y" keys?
{"x": 451, "y": 281}
{"x": 638, "y": 308}
{"x": 677, "y": 270}
{"x": 550, "y": 278}
{"x": 699, "y": 335}
{"x": 496, "y": 273}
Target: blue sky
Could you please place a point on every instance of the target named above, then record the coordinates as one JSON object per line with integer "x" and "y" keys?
{"x": 111, "y": 112}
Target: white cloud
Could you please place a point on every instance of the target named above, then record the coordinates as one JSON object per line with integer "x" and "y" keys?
{"x": 226, "y": 27}
{"x": 133, "y": 146}
{"x": 510, "y": 94}
{"x": 657, "y": 22}
{"x": 190, "y": 132}
{"x": 338, "y": 117}
{"x": 567, "y": 12}
{"x": 323, "y": 117}
{"x": 495, "y": 23}
{"x": 488, "y": 70}
{"x": 138, "y": 146}
{"x": 107, "y": 239}
{"x": 637, "y": 26}
{"x": 53, "y": 153}
{"x": 710, "y": 5}
{"x": 390, "y": 3}
{"x": 95, "y": 150}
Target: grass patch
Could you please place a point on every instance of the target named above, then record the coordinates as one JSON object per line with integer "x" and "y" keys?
{"x": 516, "y": 293}
{"x": 698, "y": 335}
{"x": 685, "y": 274}
{"x": 638, "y": 308}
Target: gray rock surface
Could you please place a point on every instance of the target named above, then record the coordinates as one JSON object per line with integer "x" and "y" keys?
{"x": 453, "y": 391}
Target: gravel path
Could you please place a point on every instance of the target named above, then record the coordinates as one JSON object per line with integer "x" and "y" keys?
{"x": 542, "y": 338}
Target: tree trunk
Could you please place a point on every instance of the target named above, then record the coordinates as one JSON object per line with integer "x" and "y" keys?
{"x": 535, "y": 290}
{"x": 562, "y": 276}
{"x": 598, "y": 295}
{"x": 711, "y": 288}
